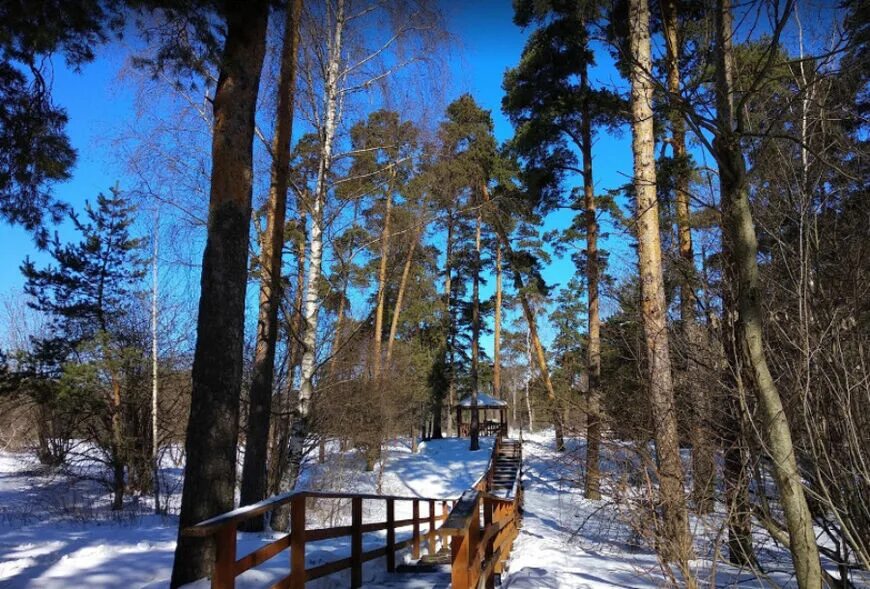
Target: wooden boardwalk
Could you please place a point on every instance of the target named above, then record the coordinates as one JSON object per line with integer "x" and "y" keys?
{"x": 467, "y": 540}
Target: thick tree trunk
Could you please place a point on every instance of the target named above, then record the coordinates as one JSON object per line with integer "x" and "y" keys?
{"x": 703, "y": 465}
{"x": 212, "y": 431}
{"x": 474, "y": 431}
{"x": 742, "y": 245}
{"x": 496, "y": 336}
{"x": 309, "y": 343}
{"x": 259, "y": 414}
{"x": 400, "y": 296}
{"x": 676, "y": 542}
{"x": 593, "y": 407}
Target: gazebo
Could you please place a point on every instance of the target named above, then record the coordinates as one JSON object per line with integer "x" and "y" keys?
{"x": 487, "y": 406}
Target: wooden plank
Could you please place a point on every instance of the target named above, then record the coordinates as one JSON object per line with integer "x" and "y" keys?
{"x": 319, "y": 534}
{"x": 415, "y": 535}
{"x": 224, "y": 575}
{"x": 297, "y": 542}
{"x": 327, "y": 568}
{"x": 430, "y": 535}
{"x": 391, "y": 536}
{"x": 356, "y": 543}
{"x": 463, "y": 512}
{"x": 261, "y": 555}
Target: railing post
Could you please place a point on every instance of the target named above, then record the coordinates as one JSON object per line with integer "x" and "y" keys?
{"x": 487, "y": 520}
{"x": 224, "y": 576}
{"x": 430, "y": 536}
{"x": 391, "y": 536}
{"x": 415, "y": 538}
{"x": 356, "y": 543}
{"x": 444, "y": 513}
{"x": 297, "y": 542}
{"x": 463, "y": 572}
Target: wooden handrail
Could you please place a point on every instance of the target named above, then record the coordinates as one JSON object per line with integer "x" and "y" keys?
{"x": 224, "y": 528}
{"x": 478, "y": 555}
{"x": 241, "y": 514}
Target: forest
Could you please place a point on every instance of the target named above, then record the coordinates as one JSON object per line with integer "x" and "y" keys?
{"x": 650, "y": 245}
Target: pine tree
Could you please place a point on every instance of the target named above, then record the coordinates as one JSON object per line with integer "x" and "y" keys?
{"x": 88, "y": 295}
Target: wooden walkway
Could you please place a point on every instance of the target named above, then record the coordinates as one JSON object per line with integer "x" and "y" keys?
{"x": 467, "y": 540}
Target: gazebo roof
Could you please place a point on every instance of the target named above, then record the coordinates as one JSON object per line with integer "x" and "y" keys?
{"x": 484, "y": 401}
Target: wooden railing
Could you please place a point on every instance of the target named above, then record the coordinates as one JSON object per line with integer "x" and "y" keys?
{"x": 486, "y": 429}
{"x": 478, "y": 553}
{"x": 228, "y": 565}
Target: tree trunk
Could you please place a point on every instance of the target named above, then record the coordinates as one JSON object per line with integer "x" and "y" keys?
{"x": 742, "y": 245}
{"x": 593, "y": 409}
{"x": 703, "y": 465}
{"x": 155, "y": 438}
{"x": 280, "y": 476}
{"x": 496, "y": 337}
{"x": 306, "y": 385}
{"x": 676, "y": 542}
{"x": 259, "y": 415}
{"x": 400, "y": 296}
{"x": 474, "y": 427}
{"x": 118, "y": 454}
{"x": 451, "y": 339}
{"x": 529, "y": 314}
{"x": 212, "y": 431}
{"x": 382, "y": 279}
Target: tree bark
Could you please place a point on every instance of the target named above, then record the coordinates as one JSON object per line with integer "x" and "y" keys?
{"x": 400, "y": 296}
{"x": 155, "y": 438}
{"x": 212, "y": 431}
{"x": 451, "y": 339}
{"x": 496, "y": 337}
{"x": 474, "y": 430}
{"x": 742, "y": 245}
{"x": 703, "y": 465}
{"x": 382, "y": 279}
{"x": 529, "y": 314}
{"x": 308, "y": 367}
{"x": 259, "y": 415}
{"x": 593, "y": 409}
{"x": 676, "y": 542}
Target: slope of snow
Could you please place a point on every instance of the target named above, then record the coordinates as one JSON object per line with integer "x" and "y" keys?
{"x": 570, "y": 542}
{"x": 58, "y": 532}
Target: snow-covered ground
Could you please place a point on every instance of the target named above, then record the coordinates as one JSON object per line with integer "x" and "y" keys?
{"x": 58, "y": 532}
{"x": 570, "y": 542}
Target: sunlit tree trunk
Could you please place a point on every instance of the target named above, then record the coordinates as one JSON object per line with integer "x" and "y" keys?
{"x": 451, "y": 338}
{"x": 703, "y": 466}
{"x": 259, "y": 415}
{"x": 475, "y": 340}
{"x": 212, "y": 431}
{"x": 382, "y": 278}
{"x": 496, "y": 336}
{"x": 315, "y": 248}
{"x": 593, "y": 405}
{"x": 155, "y": 387}
{"x": 739, "y": 233}
{"x": 676, "y": 542}
{"x": 400, "y": 296}
{"x": 531, "y": 320}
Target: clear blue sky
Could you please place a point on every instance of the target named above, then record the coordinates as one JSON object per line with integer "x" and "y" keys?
{"x": 99, "y": 105}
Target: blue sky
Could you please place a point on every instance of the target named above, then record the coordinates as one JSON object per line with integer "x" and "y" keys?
{"x": 99, "y": 105}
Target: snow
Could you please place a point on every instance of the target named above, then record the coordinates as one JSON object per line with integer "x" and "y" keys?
{"x": 568, "y": 541}
{"x": 57, "y": 531}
